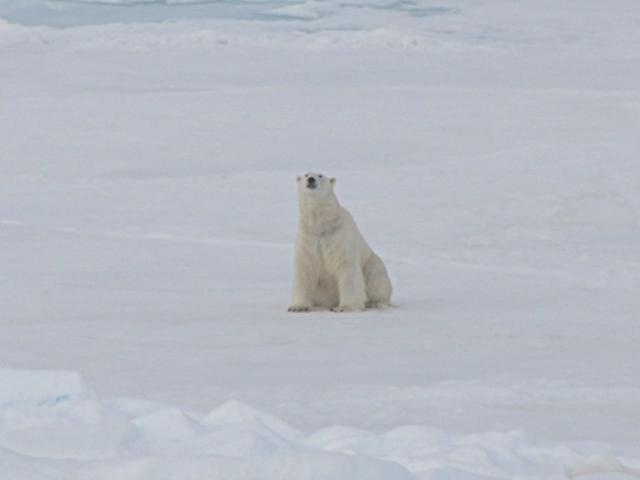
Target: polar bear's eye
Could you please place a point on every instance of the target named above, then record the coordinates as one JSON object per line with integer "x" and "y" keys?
{"x": 320, "y": 176}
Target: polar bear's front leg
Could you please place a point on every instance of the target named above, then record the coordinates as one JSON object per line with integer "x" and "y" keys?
{"x": 300, "y": 301}
{"x": 351, "y": 288}
{"x": 303, "y": 275}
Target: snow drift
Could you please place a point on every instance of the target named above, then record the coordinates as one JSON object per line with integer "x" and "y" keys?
{"x": 53, "y": 427}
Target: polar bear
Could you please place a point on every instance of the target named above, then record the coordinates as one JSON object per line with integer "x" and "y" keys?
{"x": 333, "y": 265}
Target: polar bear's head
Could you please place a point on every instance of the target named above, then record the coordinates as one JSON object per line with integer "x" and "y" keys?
{"x": 317, "y": 184}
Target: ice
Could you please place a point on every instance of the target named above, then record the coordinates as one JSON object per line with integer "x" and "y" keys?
{"x": 488, "y": 152}
{"x": 62, "y": 13}
{"x": 233, "y": 441}
{"x": 305, "y": 10}
{"x": 239, "y": 441}
{"x": 168, "y": 425}
{"x": 39, "y": 387}
{"x": 233, "y": 412}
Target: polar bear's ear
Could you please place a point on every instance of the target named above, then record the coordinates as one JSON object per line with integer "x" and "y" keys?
{"x": 298, "y": 178}
{"x": 333, "y": 180}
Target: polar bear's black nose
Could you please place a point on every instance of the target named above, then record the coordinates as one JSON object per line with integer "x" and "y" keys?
{"x": 311, "y": 181}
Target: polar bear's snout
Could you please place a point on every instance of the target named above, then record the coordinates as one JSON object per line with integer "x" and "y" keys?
{"x": 311, "y": 182}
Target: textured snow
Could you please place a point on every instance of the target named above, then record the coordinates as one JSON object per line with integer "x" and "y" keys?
{"x": 488, "y": 151}
{"x": 77, "y": 435}
{"x": 352, "y": 14}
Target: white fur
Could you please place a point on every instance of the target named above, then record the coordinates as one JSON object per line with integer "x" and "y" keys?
{"x": 333, "y": 266}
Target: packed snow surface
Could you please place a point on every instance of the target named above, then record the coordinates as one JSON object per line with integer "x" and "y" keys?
{"x": 489, "y": 153}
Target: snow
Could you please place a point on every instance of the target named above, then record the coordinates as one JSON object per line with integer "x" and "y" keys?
{"x": 488, "y": 152}
{"x": 77, "y": 435}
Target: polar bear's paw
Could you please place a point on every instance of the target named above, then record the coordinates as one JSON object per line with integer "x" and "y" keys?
{"x": 375, "y": 305}
{"x": 345, "y": 308}
{"x": 298, "y": 308}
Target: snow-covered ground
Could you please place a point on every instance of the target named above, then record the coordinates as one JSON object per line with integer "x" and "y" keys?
{"x": 488, "y": 151}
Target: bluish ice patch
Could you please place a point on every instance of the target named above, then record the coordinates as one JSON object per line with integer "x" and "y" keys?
{"x": 411, "y": 7}
{"x": 56, "y": 400}
{"x": 69, "y": 13}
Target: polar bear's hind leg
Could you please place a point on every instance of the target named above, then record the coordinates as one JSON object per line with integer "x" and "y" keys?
{"x": 351, "y": 288}
{"x": 378, "y": 285}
